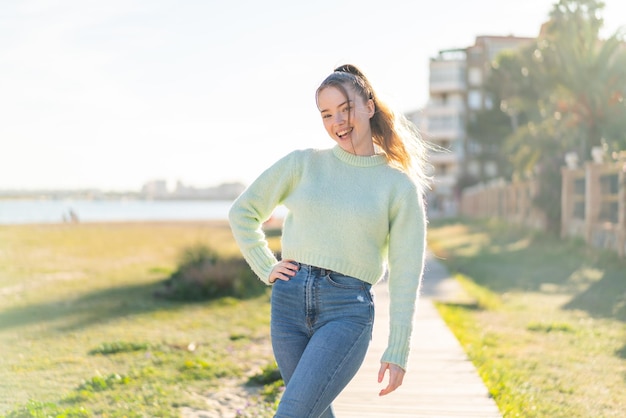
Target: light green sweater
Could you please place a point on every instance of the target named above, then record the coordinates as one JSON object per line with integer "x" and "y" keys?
{"x": 347, "y": 213}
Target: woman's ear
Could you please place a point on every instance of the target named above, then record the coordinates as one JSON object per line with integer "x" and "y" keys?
{"x": 371, "y": 108}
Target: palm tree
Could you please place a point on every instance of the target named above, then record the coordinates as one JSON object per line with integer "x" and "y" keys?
{"x": 565, "y": 92}
{"x": 589, "y": 73}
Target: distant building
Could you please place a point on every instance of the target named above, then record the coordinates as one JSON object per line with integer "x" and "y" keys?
{"x": 444, "y": 125}
{"x": 155, "y": 189}
{"x": 224, "y": 191}
{"x": 456, "y": 93}
{"x": 230, "y": 190}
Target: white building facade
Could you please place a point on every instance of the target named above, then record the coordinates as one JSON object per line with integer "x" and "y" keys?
{"x": 456, "y": 92}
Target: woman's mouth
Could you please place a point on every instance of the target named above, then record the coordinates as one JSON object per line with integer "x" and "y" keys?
{"x": 342, "y": 134}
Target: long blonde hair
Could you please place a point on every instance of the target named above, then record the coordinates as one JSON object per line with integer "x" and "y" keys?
{"x": 397, "y": 137}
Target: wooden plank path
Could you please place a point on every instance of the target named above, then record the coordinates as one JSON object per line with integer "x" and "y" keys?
{"x": 440, "y": 382}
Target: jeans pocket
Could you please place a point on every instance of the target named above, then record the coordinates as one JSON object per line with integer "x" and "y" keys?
{"x": 344, "y": 282}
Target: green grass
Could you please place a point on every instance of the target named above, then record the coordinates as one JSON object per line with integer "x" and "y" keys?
{"x": 83, "y": 335}
{"x": 548, "y": 332}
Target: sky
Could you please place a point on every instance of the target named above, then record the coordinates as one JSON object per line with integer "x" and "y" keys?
{"x": 111, "y": 94}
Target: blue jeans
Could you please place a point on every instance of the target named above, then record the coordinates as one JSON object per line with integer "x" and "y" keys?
{"x": 321, "y": 327}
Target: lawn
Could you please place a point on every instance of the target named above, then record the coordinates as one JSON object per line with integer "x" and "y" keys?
{"x": 82, "y": 333}
{"x": 548, "y": 329}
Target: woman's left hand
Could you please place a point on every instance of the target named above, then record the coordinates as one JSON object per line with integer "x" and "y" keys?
{"x": 396, "y": 375}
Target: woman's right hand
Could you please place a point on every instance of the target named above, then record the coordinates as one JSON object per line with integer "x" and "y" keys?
{"x": 284, "y": 270}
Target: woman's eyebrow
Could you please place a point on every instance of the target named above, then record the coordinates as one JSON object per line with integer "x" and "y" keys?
{"x": 339, "y": 105}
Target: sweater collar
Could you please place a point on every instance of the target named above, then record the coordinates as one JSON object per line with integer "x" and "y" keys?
{"x": 358, "y": 160}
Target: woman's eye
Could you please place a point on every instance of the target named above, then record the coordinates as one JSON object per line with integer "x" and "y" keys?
{"x": 325, "y": 116}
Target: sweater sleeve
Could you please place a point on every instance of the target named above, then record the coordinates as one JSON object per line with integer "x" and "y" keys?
{"x": 407, "y": 244}
{"x": 253, "y": 207}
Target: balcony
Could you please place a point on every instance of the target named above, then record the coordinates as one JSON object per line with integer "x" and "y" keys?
{"x": 447, "y": 86}
{"x": 438, "y": 130}
{"x": 443, "y": 157}
{"x": 449, "y": 107}
{"x": 447, "y": 76}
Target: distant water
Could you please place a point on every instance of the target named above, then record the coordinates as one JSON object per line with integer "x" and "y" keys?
{"x": 55, "y": 211}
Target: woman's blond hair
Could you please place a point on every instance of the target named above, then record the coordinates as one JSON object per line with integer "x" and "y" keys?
{"x": 396, "y": 136}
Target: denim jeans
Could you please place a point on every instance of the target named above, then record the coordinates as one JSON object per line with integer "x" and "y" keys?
{"x": 321, "y": 327}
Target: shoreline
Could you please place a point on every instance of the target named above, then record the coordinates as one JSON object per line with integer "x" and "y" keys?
{"x": 182, "y": 222}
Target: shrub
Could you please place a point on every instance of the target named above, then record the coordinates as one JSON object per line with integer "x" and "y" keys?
{"x": 550, "y": 327}
{"x": 203, "y": 274}
{"x": 99, "y": 383}
{"x": 118, "y": 347}
{"x": 198, "y": 369}
{"x": 271, "y": 388}
{"x": 269, "y": 374}
{"x": 36, "y": 409}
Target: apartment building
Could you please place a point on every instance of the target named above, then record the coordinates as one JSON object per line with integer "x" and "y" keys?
{"x": 479, "y": 59}
{"x": 456, "y": 93}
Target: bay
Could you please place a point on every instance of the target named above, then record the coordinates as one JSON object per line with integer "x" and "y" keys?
{"x": 57, "y": 211}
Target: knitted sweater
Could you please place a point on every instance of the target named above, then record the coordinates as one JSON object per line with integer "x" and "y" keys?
{"x": 347, "y": 213}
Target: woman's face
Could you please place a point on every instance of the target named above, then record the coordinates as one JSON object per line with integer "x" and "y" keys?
{"x": 347, "y": 119}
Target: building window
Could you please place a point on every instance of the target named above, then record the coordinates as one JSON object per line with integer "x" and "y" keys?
{"x": 475, "y": 99}
{"x": 439, "y": 123}
{"x": 488, "y": 102}
{"x": 447, "y": 75}
{"x": 473, "y": 147}
{"x": 475, "y": 76}
{"x": 491, "y": 169}
{"x": 473, "y": 169}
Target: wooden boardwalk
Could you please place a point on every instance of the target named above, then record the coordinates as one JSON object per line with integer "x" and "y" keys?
{"x": 440, "y": 381}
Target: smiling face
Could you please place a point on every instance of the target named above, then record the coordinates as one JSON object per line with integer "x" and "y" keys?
{"x": 347, "y": 118}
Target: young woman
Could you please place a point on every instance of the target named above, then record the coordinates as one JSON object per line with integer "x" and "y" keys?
{"x": 354, "y": 210}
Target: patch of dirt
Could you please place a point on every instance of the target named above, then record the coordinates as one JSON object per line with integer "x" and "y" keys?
{"x": 232, "y": 398}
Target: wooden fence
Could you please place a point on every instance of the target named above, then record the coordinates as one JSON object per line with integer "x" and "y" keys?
{"x": 593, "y": 204}
{"x": 512, "y": 202}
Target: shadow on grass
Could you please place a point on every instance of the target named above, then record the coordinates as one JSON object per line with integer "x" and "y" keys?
{"x": 465, "y": 306}
{"x": 622, "y": 352}
{"x": 100, "y": 306}
{"x": 604, "y": 298}
{"x": 94, "y": 307}
{"x": 517, "y": 259}
{"x": 506, "y": 266}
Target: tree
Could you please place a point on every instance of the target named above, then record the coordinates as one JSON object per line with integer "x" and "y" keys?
{"x": 516, "y": 85}
{"x": 488, "y": 128}
{"x": 589, "y": 74}
{"x": 564, "y": 92}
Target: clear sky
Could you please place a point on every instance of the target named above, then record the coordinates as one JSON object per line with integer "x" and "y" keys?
{"x": 113, "y": 93}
